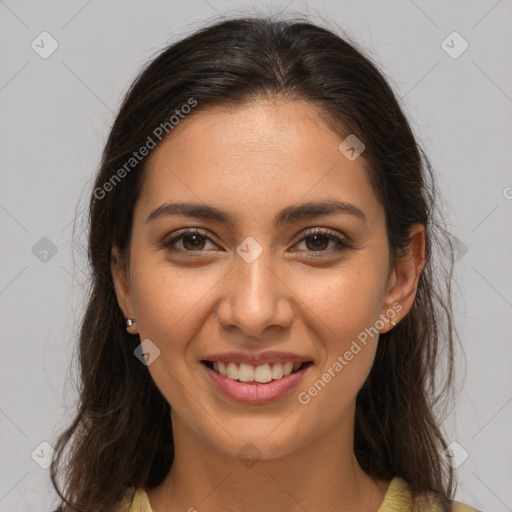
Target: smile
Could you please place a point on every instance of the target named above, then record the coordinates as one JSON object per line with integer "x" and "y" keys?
{"x": 255, "y": 384}
{"x": 251, "y": 373}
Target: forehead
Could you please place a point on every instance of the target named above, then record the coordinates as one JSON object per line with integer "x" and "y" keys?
{"x": 255, "y": 158}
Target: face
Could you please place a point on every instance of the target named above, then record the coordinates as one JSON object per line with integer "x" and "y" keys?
{"x": 266, "y": 279}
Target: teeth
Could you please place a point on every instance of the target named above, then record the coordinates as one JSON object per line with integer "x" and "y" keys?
{"x": 232, "y": 371}
{"x": 249, "y": 373}
{"x": 287, "y": 368}
{"x": 277, "y": 371}
{"x": 262, "y": 373}
{"x": 246, "y": 372}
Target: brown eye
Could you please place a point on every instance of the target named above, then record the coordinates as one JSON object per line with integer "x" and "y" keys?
{"x": 188, "y": 242}
{"x": 318, "y": 242}
{"x": 193, "y": 242}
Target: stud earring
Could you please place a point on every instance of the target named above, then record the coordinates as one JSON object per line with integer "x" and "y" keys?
{"x": 130, "y": 322}
{"x": 392, "y": 323}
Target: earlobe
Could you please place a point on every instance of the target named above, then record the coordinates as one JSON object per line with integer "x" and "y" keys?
{"x": 119, "y": 271}
{"x": 403, "y": 281}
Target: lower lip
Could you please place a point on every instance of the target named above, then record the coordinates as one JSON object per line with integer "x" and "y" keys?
{"x": 254, "y": 392}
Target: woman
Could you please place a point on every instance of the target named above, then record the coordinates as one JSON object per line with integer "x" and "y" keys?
{"x": 266, "y": 313}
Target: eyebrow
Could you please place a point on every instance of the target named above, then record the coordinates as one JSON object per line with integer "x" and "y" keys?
{"x": 287, "y": 215}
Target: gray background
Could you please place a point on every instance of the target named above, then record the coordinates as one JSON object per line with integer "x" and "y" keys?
{"x": 56, "y": 113}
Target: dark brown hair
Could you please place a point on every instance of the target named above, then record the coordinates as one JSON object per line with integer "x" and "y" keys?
{"x": 121, "y": 436}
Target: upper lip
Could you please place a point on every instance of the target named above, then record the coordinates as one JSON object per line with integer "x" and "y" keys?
{"x": 256, "y": 359}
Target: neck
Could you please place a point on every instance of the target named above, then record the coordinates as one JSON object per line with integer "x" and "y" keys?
{"x": 322, "y": 475}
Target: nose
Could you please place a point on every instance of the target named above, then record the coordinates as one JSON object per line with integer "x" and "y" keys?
{"x": 255, "y": 297}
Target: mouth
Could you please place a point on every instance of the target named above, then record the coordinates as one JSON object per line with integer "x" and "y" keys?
{"x": 255, "y": 384}
{"x": 261, "y": 374}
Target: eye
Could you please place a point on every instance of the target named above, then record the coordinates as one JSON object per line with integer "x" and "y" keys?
{"x": 318, "y": 240}
{"x": 191, "y": 240}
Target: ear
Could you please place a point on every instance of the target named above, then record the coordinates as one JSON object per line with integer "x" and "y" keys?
{"x": 120, "y": 277}
{"x": 404, "y": 277}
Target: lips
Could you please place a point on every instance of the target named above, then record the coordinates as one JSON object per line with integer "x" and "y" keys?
{"x": 255, "y": 383}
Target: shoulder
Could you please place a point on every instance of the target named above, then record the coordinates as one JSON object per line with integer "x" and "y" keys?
{"x": 461, "y": 507}
{"x": 134, "y": 500}
{"x": 398, "y": 498}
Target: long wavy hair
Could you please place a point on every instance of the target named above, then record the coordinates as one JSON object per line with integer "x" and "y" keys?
{"x": 121, "y": 435}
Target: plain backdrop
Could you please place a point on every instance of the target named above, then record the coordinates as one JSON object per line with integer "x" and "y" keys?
{"x": 56, "y": 111}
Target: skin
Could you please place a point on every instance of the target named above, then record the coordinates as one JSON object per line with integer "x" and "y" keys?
{"x": 253, "y": 160}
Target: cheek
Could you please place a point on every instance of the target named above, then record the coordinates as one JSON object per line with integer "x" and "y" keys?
{"x": 348, "y": 304}
{"x": 168, "y": 299}
{"x": 171, "y": 306}
{"x": 346, "y": 300}
{"x": 347, "y": 347}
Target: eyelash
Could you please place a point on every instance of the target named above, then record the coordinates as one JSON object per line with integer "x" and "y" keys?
{"x": 343, "y": 244}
